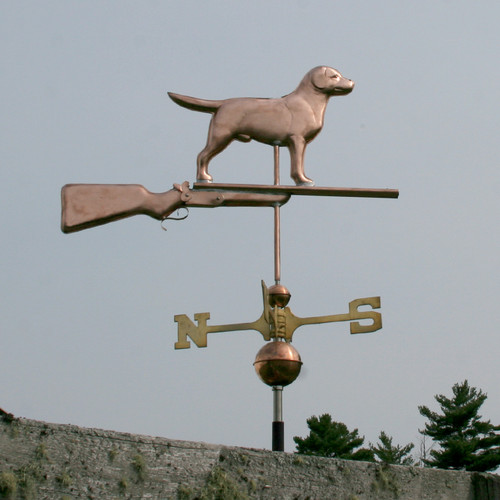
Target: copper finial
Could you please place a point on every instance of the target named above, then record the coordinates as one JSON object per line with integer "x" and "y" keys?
{"x": 279, "y": 296}
{"x": 278, "y": 363}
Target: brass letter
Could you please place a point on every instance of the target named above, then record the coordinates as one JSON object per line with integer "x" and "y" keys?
{"x": 186, "y": 328}
{"x": 376, "y": 317}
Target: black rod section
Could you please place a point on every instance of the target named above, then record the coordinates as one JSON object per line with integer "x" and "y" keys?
{"x": 278, "y": 436}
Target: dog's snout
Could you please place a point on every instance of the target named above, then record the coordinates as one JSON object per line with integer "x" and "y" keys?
{"x": 349, "y": 84}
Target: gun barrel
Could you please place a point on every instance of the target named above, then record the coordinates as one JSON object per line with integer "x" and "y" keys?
{"x": 89, "y": 205}
{"x": 299, "y": 190}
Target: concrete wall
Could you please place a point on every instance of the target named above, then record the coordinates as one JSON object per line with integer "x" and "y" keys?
{"x": 48, "y": 461}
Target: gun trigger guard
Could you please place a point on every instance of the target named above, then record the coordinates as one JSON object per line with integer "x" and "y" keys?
{"x": 175, "y": 218}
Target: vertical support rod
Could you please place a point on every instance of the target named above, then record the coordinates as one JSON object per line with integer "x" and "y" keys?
{"x": 276, "y": 165}
{"x": 278, "y": 438}
{"x": 277, "y": 239}
{"x": 278, "y": 424}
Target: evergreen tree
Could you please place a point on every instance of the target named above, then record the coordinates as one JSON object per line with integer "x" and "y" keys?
{"x": 386, "y": 453}
{"x": 466, "y": 442}
{"x": 332, "y": 439}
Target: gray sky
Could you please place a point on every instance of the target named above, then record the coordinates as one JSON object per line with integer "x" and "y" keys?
{"x": 87, "y": 328}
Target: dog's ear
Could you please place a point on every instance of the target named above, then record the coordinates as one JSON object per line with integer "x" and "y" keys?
{"x": 320, "y": 77}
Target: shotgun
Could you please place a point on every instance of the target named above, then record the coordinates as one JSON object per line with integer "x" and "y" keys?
{"x": 90, "y": 205}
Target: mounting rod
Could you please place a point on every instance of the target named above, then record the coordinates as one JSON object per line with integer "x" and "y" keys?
{"x": 277, "y": 230}
{"x": 278, "y": 424}
{"x": 278, "y": 436}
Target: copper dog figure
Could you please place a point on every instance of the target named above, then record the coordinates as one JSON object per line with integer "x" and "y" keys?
{"x": 292, "y": 121}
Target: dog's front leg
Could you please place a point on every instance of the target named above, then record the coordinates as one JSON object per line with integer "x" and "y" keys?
{"x": 297, "y": 148}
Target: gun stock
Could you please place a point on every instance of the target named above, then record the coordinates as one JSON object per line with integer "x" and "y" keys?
{"x": 89, "y": 205}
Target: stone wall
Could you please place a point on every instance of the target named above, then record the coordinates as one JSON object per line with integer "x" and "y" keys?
{"x": 48, "y": 461}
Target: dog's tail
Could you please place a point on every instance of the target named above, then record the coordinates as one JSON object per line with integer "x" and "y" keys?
{"x": 195, "y": 104}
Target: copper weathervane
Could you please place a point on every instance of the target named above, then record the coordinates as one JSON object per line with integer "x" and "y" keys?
{"x": 291, "y": 121}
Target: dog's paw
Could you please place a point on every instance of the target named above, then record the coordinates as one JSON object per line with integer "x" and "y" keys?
{"x": 308, "y": 183}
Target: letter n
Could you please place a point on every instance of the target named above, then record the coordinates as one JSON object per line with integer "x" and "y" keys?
{"x": 186, "y": 328}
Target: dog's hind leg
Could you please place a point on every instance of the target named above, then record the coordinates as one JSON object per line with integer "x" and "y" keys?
{"x": 217, "y": 141}
{"x": 202, "y": 174}
{"x": 297, "y": 148}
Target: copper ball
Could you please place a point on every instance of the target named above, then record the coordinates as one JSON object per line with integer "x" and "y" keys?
{"x": 277, "y": 363}
{"x": 278, "y": 296}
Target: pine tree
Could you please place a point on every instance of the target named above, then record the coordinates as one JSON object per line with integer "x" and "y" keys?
{"x": 466, "y": 442}
{"x": 332, "y": 439}
{"x": 386, "y": 453}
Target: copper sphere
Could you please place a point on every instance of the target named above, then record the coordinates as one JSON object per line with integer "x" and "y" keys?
{"x": 278, "y": 296}
{"x": 277, "y": 363}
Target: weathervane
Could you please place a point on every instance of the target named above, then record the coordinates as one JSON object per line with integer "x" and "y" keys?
{"x": 291, "y": 121}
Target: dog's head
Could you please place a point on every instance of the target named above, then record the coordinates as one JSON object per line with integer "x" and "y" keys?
{"x": 329, "y": 81}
